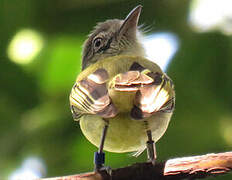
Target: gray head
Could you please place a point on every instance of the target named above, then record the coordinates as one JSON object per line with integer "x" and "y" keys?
{"x": 113, "y": 37}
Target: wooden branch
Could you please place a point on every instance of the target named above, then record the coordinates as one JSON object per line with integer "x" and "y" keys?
{"x": 174, "y": 169}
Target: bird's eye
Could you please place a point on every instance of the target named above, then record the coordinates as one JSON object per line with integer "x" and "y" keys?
{"x": 97, "y": 42}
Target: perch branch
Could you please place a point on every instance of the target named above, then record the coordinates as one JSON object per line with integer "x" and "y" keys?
{"x": 174, "y": 169}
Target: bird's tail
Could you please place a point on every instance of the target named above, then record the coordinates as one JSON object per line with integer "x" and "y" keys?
{"x": 139, "y": 152}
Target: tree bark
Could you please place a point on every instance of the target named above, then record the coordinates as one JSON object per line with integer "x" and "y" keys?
{"x": 194, "y": 167}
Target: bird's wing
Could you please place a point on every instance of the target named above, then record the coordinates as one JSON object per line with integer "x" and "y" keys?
{"x": 90, "y": 96}
{"x": 154, "y": 91}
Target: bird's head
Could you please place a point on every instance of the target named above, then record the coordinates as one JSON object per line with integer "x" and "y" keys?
{"x": 113, "y": 37}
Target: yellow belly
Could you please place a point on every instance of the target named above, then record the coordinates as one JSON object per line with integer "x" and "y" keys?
{"x": 124, "y": 134}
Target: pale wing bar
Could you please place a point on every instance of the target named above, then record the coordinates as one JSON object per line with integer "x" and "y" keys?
{"x": 154, "y": 91}
{"x": 156, "y": 97}
{"x": 90, "y": 96}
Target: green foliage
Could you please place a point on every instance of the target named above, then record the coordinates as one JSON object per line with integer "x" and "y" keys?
{"x": 34, "y": 98}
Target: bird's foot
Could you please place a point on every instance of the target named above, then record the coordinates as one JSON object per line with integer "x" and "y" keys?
{"x": 151, "y": 150}
{"x": 99, "y": 160}
{"x": 106, "y": 169}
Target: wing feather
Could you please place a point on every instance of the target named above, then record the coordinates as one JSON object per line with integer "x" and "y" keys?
{"x": 154, "y": 91}
{"x": 90, "y": 96}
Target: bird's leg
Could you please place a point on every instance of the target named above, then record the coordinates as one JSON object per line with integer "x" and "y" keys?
{"x": 99, "y": 156}
{"x": 151, "y": 150}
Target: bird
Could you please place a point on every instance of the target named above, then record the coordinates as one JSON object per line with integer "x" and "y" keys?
{"x": 122, "y": 100}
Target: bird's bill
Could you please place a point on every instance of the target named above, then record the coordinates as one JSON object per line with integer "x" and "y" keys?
{"x": 129, "y": 25}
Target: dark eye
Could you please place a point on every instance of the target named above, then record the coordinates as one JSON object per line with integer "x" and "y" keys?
{"x": 97, "y": 42}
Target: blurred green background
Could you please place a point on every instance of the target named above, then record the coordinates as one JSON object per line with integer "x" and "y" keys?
{"x": 40, "y": 53}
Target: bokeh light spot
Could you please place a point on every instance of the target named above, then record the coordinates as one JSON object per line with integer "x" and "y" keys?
{"x": 24, "y": 46}
{"x": 32, "y": 168}
{"x": 226, "y": 129}
{"x": 206, "y": 15}
{"x": 160, "y": 48}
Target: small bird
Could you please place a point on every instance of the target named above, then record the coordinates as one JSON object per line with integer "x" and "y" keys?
{"x": 123, "y": 101}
